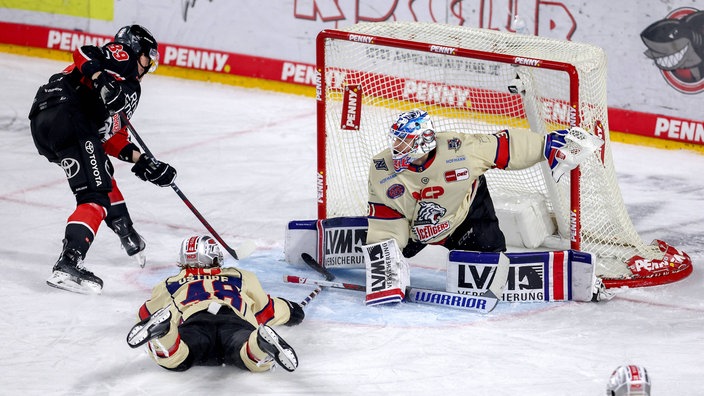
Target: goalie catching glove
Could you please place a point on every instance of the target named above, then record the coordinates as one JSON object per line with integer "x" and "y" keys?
{"x": 565, "y": 149}
{"x": 154, "y": 171}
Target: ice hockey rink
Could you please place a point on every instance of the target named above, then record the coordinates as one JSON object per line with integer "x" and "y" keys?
{"x": 246, "y": 160}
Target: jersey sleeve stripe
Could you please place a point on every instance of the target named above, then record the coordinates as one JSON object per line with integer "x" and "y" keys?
{"x": 266, "y": 314}
{"x": 144, "y": 312}
{"x": 171, "y": 350}
{"x": 502, "y": 150}
{"x": 381, "y": 211}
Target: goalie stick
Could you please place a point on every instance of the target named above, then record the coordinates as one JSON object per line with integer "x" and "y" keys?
{"x": 245, "y": 249}
{"x": 308, "y": 259}
{"x": 480, "y": 304}
{"x": 312, "y": 263}
{"x": 483, "y": 303}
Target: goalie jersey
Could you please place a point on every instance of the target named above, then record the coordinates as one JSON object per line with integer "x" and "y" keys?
{"x": 427, "y": 203}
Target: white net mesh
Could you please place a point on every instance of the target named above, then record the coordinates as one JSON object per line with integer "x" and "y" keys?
{"x": 468, "y": 91}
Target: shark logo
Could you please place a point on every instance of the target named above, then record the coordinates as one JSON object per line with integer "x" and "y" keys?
{"x": 676, "y": 45}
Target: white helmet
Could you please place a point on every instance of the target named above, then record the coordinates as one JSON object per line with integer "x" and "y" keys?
{"x": 411, "y": 137}
{"x": 629, "y": 380}
{"x": 200, "y": 251}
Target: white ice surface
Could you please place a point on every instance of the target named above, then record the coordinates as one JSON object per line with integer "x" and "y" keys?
{"x": 246, "y": 159}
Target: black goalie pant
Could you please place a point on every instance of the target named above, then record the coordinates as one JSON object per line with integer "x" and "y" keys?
{"x": 480, "y": 229}
{"x": 214, "y": 340}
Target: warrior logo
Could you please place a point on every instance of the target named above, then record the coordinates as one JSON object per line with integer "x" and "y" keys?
{"x": 70, "y": 167}
{"x": 676, "y": 44}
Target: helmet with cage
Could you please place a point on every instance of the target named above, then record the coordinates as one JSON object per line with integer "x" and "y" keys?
{"x": 141, "y": 41}
{"x": 200, "y": 251}
{"x": 629, "y": 380}
{"x": 411, "y": 137}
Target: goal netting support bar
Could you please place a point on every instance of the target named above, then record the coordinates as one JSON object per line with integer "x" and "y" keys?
{"x": 482, "y": 81}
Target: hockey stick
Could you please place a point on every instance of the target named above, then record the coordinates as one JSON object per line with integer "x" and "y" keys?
{"x": 245, "y": 250}
{"x": 316, "y": 266}
{"x": 479, "y": 304}
{"x": 483, "y": 303}
{"x": 323, "y": 283}
{"x": 496, "y": 288}
{"x": 308, "y": 259}
{"x": 311, "y": 296}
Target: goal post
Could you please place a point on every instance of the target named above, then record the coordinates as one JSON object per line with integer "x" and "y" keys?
{"x": 481, "y": 81}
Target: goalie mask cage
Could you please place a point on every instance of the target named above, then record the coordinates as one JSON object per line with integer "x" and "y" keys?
{"x": 480, "y": 81}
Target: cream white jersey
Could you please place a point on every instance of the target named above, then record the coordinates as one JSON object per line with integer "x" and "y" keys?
{"x": 427, "y": 203}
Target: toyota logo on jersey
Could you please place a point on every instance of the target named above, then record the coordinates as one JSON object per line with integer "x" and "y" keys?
{"x": 70, "y": 167}
{"x": 90, "y": 149}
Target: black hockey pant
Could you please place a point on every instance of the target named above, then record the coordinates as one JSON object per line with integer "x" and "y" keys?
{"x": 480, "y": 229}
{"x": 214, "y": 340}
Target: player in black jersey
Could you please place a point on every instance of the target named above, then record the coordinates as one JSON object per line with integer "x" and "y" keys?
{"x": 75, "y": 123}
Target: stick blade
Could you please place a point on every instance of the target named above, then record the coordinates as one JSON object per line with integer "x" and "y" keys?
{"x": 312, "y": 263}
{"x": 496, "y": 289}
{"x": 245, "y": 249}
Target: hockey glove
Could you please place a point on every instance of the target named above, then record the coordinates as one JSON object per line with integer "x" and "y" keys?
{"x": 154, "y": 171}
{"x": 297, "y": 313}
{"x": 110, "y": 92}
{"x": 554, "y": 141}
{"x": 565, "y": 150}
{"x": 413, "y": 248}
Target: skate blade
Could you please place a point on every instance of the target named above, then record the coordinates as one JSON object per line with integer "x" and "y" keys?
{"x": 141, "y": 332}
{"x": 141, "y": 258}
{"x": 285, "y": 357}
{"x": 63, "y": 281}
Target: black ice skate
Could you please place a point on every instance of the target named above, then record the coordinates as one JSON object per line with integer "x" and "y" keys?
{"x": 132, "y": 242}
{"x": 70, "y": 274}
{"x": 277, "y": 348}
{"x": 155, "y": 326}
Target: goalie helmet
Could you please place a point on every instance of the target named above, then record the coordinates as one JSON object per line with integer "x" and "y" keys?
{"x": 200, "y": 251}
{"x": 141, "y": 41}
{"x": 630, "y": 380}
{"x": 411, "y": 137}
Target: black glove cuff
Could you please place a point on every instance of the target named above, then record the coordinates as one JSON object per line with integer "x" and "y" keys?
{"x": 297, "y": 314}
{"x": 89, "y": 68}
{"x": 126, "y": 152}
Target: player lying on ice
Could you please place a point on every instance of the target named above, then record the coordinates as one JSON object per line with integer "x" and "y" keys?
{"x": 429, "y": 188}
{"x": 209, "y": 315}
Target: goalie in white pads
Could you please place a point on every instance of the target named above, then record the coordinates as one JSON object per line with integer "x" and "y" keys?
{"x": 429, "y": 188}
{"x": 209, "y": 315}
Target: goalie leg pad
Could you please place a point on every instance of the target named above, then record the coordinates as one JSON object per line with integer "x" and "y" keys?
{"x": 388, "y": 273}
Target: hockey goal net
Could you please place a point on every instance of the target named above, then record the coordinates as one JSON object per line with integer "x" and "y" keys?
{"x": 481, "y": 81}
